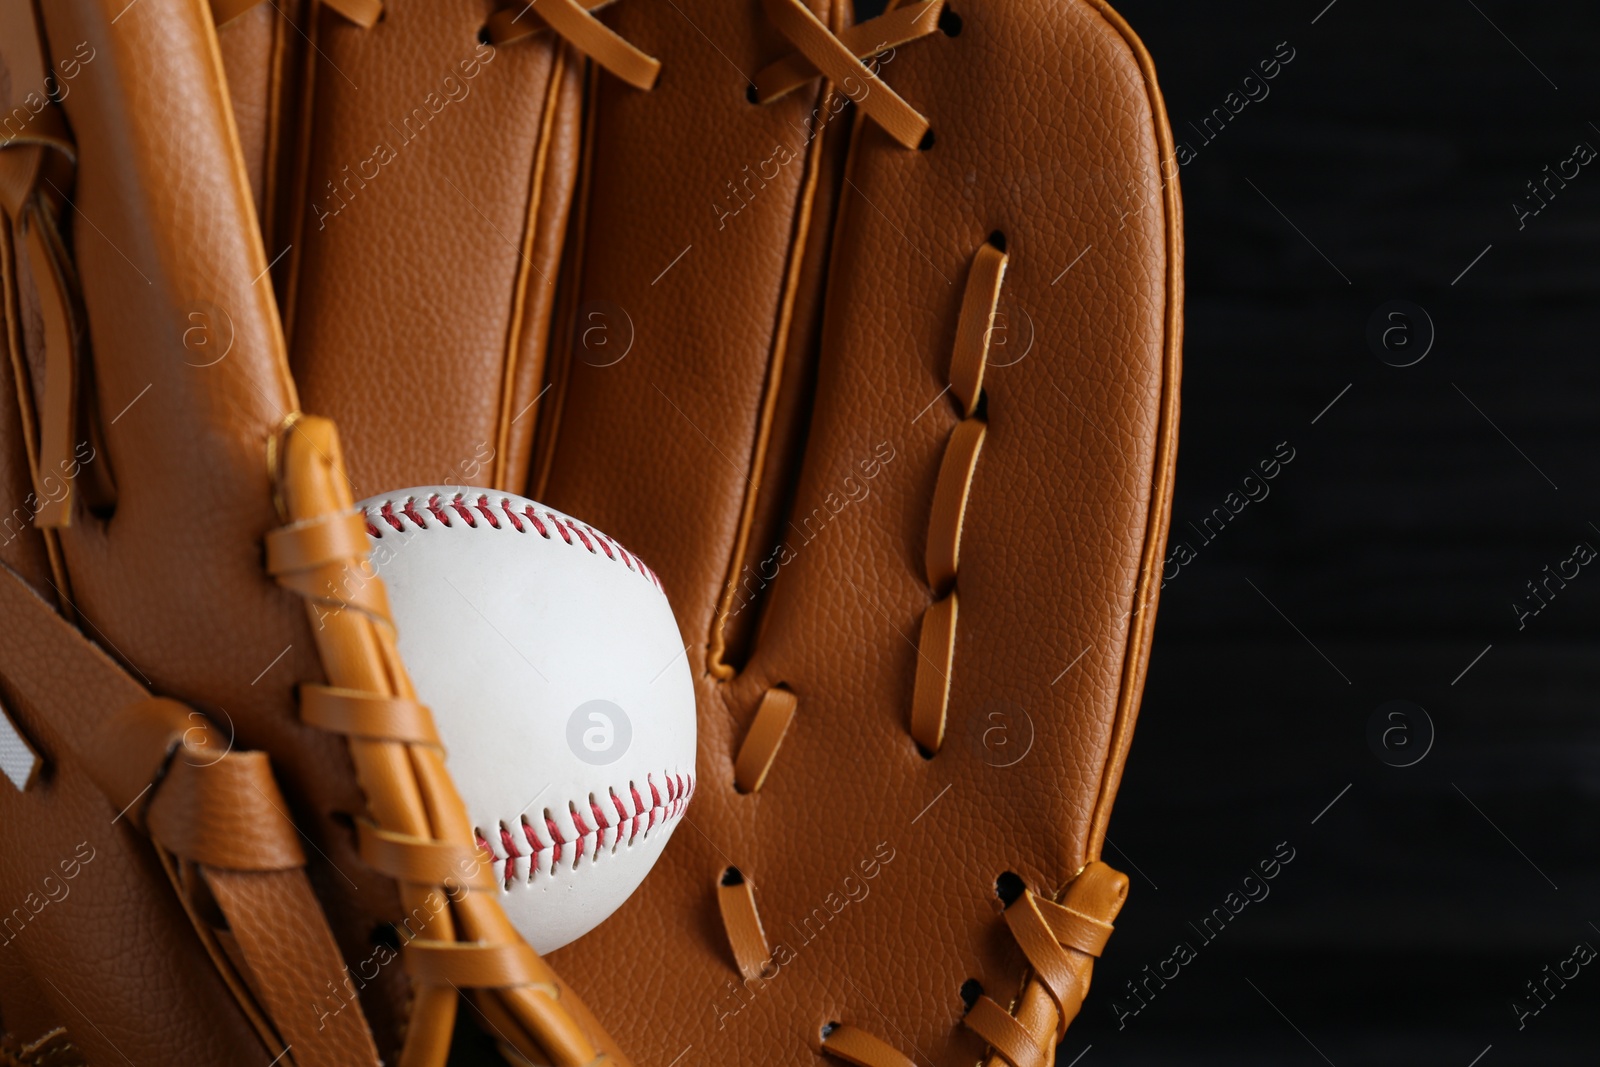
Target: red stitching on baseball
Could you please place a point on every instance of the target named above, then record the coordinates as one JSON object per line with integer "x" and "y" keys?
{"x": 436, "y": 505}
{"x": 605, "y": 542}
{"x": 561, "y": 527}
{"x": 679, "y": 787}
{"x": 457, "y": 502}
{"x": 483, "y": 506}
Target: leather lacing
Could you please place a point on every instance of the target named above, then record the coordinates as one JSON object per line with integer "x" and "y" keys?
{"x": 1059, "y": 940}
{"x": 417, "y": 833}
{"x": 570, "y": 19}
{"x": 839, "y": 58}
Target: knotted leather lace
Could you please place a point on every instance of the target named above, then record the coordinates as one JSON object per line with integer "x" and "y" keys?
{"x": 570, "y": 19}
{"x": 839, "y": 58}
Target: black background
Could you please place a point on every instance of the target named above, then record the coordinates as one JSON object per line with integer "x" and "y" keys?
{"x": 1388, "y": 555}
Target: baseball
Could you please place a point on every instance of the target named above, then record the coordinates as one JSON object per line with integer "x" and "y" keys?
{"x": 559, "y": 686}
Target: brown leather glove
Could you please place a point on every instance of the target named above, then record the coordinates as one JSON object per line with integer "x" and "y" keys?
{"x": 877, "y": 367}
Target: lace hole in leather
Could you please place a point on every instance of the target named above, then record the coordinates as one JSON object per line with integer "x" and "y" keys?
{"x": 751, "y": 95}
{"x": 971, "y": 990}
{"x": 926, "y": 142}
{"x": 828, "y": 1028}
{"x": 386, "y": 935}
{"x": 924, "y": 753}
{"x": 732, "y": 876}
{"x": 483, "y": 35}
{"x": 1008, "y": 887}
{"x": 949, "y": 23}
{"x": 998, "y": 239}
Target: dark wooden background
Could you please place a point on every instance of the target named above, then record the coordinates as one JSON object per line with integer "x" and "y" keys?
{"x": 1387, "y": 157}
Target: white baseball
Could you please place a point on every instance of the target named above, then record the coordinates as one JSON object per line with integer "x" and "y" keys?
{"x": 559, "y": 686}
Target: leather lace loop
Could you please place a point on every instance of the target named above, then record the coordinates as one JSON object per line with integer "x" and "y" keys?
{"x": 839, "y": 63}
{"x": 1050, "y": 962}
{"x": 1005, "y": 1035}
{"x": 930, "y": 696}
{"x": 326, "y": 539}
{"x": 472, "y": 965}
{"x": 975, "y": 327}
{"x": 355, "y": 713}
{"x": 572, "y": 19}
{"x": 736, "y": 900}
{"x": 424, "y": 861}
{"x": 949, "y": 510}
{"x": 930, "y": 693}
{"x": 856, "y": 1046}
{"x": 1074, "y": 929}
{"x": 760, "y": 746}
{"x": 864, "y": 40}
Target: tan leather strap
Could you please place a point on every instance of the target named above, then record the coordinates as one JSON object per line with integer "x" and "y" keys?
{"x": 130, "y": 749}
{"x": 422, "y": 861}
{"x": 325, "y": 539}
{"x": 224, "y": 812}
{"x": 859, "y": 1047}
{"x": 460, "y": 965}
{"x": 325, "y": 559}
{"x": 1085, "y": 933}
{"x": 573, "y": 21}
{"x": 839, "y": 64}
{"x": 949, "y": 509}
{"x": 1053, "y": 995}
{"x": 930, "y": 693}
{"x": 204, "y": 803}
{"x": 367, "y": 715}
{"x": 736, "y": 900}
{"x": 267, "y": 910}
{"x": 975, "y": 327}
{"x": 340, "y": 587}
{"x": 1005, "y": 1035}
{"x": 760, "y": 747}
{"x": 864, "y": 40}
{"x": 1052, "y": 964}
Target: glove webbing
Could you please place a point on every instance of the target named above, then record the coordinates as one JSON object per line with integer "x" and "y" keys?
{"x": 420, "y": 834}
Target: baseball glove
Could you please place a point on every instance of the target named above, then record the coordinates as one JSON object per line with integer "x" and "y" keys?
{"x": 863, "y": 334}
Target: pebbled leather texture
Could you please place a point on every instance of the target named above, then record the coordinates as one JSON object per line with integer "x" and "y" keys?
{"x": 763, "y": 414}
{"x": 1062, "y": 533}
{"x": 439, "y": 176}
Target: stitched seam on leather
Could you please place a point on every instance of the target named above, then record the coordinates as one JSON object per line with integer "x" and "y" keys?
{"x": 508, "y": 843}
{"x": 477, "y": 512}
